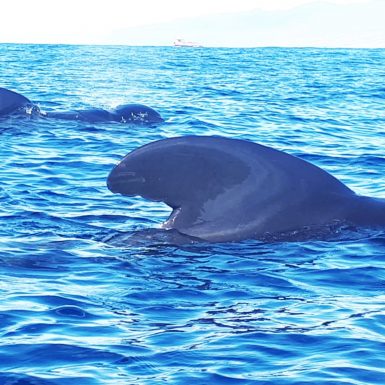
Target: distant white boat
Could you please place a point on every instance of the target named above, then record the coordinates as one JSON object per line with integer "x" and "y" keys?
{"x": 184, "y": 43}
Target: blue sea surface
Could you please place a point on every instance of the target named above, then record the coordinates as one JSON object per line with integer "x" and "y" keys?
{"x": 89, "y": 292}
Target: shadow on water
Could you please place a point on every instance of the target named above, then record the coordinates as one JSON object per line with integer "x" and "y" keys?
{"x": 7, "y": 378}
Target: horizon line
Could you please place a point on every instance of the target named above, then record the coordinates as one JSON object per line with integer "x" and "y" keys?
{"x": 196, "y": 48}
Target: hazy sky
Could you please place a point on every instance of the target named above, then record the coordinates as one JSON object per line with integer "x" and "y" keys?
{"x": 212, "y": 22}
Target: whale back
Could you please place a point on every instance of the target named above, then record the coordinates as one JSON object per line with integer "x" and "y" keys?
{"x": 129, "y": 113}
{"x": 227, "y": 189}
{"x": 11, "y": 101}
{"x": 136, "y": 113}
{"x": 91, "y": 115}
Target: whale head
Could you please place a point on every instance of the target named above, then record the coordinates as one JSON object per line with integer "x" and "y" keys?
{"x": 176, "y": 171}
{"x": 223, "y": 189}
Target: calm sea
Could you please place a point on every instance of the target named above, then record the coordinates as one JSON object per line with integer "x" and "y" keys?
{"x": 84, "y": 301}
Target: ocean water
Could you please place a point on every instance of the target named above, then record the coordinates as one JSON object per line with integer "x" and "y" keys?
{"x": 84, "y": 300}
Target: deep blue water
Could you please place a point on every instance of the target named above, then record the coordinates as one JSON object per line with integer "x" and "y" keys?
{"x": 85, "y": 301}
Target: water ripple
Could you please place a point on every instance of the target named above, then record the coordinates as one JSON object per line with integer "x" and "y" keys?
{"x": 91, "y": 292}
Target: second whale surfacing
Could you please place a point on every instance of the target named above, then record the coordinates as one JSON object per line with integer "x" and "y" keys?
{"x": 223, "y": 189}
{"x": 12, "y": 103}
{"x": 128, "y": 113}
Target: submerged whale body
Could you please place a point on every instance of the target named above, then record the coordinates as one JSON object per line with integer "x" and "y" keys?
{"x": 224, "y": 189}
{"x": 12, "y": 103}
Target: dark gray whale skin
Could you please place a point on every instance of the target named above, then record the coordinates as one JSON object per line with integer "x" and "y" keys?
{"x": 128, "y": 113}
{"x": 12, "y": 103}
{"x": 223, "y": 189}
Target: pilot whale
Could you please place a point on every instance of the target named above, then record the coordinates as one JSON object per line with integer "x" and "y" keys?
{"x": 12, "y": 103}
{"x": 223, "y": 189}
